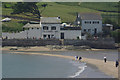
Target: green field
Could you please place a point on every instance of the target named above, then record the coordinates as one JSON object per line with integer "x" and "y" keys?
{"x": 67, "y": 11}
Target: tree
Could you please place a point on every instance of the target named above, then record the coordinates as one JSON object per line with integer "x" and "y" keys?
{"x": 116, "y": 35}
{"x": 108, "y": 21}
{"x": 22, "y": 7}
{"x": 44, "y": 6}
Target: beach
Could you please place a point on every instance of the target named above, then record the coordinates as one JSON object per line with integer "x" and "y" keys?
{"x": 108, "y": 68}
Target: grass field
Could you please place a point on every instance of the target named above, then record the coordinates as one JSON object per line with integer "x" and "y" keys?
{"x": 67, "y": 11}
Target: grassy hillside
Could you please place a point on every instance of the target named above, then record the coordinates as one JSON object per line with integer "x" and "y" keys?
{"x": 67, "y": 11}
{"x": 107, "y": 6}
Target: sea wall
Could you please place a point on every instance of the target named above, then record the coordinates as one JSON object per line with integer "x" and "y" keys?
{"x": 29, "y": 42}
{"x": 100, "y": 44}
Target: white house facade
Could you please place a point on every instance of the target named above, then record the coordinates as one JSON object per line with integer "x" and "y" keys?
{"x": 50, "y": 27}
{"x": 33, "y": 30}
{"x": 90, "y": 23}
{"x": 92, "y": 26}
{"x": 70, "y": 33}
{"x": 47, "y": 28}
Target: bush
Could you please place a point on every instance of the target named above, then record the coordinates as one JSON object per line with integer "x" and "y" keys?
{"x": 116, "y": 35}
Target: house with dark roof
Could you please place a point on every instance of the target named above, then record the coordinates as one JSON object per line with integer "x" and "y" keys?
{"x": 51, "y": 27}
{"x": 48, "y": 28}
{"x": 89, "y": 22}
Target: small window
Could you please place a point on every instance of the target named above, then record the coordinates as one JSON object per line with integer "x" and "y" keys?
{"x": 82, "y": 34}
{"x": 44, "y": 36}
{"x": 32, "y": 28}
{"x": 98, "y": 22}
{"x": 84, "y": 30}
{"x": 90, "y": 22}
{"x": 45, "y": 27}
{"x": 52, "y": 35}
{"x": 89, "y": 30}
{"x": 53, "y": 28}
{"x": 37, "y": 28}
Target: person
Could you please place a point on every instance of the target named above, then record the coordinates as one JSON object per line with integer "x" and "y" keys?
{"x": 76, "y": 57}
{"x": 105, "y": 59}
{"x": 117, "y": 63}
{"x": 80, "y": 58}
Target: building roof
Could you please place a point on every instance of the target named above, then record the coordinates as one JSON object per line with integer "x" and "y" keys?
{"x": 50, "y": 20}
{"x": 28, "y": 25}
{"x": 70, "y": 28}
{"x": 90, "y": 16}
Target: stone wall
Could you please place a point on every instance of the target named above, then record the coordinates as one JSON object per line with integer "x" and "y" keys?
{"x": 29, "y": 42}
{"x": 101, "y": 44}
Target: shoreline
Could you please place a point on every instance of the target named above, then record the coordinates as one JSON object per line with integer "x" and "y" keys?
{"x": 108, "y": 68}
{"x": 47, "y": 48}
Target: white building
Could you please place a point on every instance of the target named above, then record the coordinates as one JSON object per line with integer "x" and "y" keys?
{"x": 89, "y": 22}
{"x": 33, "y": 30}
{"x": 70, "y": 33}
{"x": 48, "y": 28}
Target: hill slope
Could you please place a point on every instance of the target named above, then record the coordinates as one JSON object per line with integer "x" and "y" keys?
{"x": 66, "y": 10}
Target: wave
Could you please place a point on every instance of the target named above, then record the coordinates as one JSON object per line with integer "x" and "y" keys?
{"x": 81, "y": 67}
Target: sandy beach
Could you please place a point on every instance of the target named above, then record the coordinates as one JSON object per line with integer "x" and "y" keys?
{"x": 40, "y": 48}
{"x": 43, "y": 48}
{"x": 108, "y": 68}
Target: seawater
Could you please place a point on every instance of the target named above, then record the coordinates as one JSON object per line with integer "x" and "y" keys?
{"x": 37, "y": 66}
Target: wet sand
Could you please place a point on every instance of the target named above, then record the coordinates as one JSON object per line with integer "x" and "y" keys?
{"x": 108, "y": 68}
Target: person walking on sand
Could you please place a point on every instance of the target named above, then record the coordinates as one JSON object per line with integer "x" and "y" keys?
{"x": 80, "y": 58}
{"x": 105, "y": 59}
{"x": 116, "y": 63}
{"x": 76, "y": 57}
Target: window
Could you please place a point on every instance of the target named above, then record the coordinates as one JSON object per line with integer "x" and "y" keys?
{"x": 84, "y": 30}
{"x": 95, "y": 22}
{"x": 45, "y": 27}
{"x": 32, "y": 28}
{"x": 89, "y": 30}
{"x": 44, "y": 36}
{"x": 52, "y": 36}
{"x": 98, "y": 22}
{"x": 53, "y": 28}
{"x": 87, "y": 22}
{"x": 37, "y": 28}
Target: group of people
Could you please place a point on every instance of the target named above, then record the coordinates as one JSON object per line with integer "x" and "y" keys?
{"x": 105, "y": 60}
{"x": 116, "y": 63}
{"x": 78, "y": 58}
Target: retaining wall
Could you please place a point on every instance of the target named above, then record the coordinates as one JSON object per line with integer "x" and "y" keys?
{"x": 101, "y": 44}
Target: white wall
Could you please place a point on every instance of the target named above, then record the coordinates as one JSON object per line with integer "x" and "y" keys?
{"x": 36, "y": 33}
{"x": 20, "y": 35}
{"x": 51, "y": 32}
{"x": 71, "y": 34}
{"x": 92, "y": 26}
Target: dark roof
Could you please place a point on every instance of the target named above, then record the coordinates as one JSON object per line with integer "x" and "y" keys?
{"x": 70, "y": 28}
{"x": 90, "y": 16}
{"x": 50, "y": 20}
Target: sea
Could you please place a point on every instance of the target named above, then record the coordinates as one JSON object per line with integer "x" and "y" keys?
{"x": 39, "y": 66}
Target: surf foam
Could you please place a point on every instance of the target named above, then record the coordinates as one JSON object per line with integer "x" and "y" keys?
{"x": 81, "y": 67}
